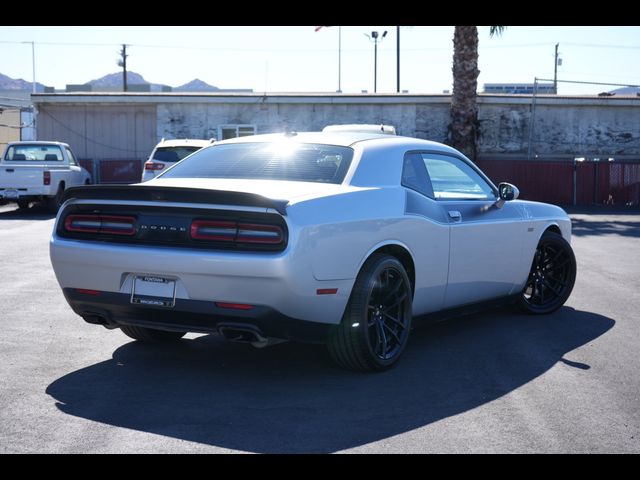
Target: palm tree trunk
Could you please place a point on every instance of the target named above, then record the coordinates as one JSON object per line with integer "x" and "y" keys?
{"x": 463, "y": 130}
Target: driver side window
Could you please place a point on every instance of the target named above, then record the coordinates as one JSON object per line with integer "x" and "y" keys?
{"x": 454, "y": 179}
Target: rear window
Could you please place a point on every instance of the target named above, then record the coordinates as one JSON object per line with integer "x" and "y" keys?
{"x": 33, "y": 153}
{"x": 304, "y": 162}
{"x": 173, "y": 154}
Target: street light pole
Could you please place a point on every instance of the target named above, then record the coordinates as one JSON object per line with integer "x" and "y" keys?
{"x": 398, "y": 59}
{"x": 374, "y": 36}
{"x": 555, "y": 71}
{"x": 375, "y": 62}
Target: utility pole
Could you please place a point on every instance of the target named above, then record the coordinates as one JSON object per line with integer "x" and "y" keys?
{"x": 33, "y": 63}
{"x": 555, "y": 71}
{"x": 339, "y": 59}
{"x": 123, "y": 63}
{"x": 398, "y": 59}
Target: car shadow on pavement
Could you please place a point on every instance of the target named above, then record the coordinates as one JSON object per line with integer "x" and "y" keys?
{"x": 289, "y": 398}
{"x": 35, "y": 212}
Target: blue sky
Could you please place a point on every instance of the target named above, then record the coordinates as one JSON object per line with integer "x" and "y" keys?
{"x": 298, "y": 59}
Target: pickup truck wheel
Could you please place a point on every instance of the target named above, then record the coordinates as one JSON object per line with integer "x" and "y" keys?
{"x": 23, "y": 204}
{"x": 150, "y": 335}
{"x": 53, "y": 203}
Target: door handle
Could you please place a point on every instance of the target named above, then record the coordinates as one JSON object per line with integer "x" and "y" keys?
{"x": 10, "y": 170}
{"x": 455, "y": 215}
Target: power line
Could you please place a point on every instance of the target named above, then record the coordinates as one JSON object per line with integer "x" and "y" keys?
{"x": 600, "y": 45}
{"x": 281, "y": 50}
{"x": 68, "y": 44}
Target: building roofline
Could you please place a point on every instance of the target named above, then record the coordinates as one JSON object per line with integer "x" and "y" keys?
{"x": 317, "y": 98}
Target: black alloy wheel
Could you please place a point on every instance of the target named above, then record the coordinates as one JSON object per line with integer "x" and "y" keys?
{"x": 552, "y": 275}
{"x": 377, "y": 321}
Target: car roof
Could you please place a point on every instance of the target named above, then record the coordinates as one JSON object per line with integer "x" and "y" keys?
{"x": 346, "y": 139}
{"x": 38, "y": 142}
{"x": 183, "y": 142}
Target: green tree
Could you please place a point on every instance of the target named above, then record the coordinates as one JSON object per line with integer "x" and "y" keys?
{"x": 463, "y": 129}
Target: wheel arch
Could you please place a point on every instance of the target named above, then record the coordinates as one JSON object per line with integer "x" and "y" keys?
{"x": 399, "y": 251}
{"x": 552, "y": 228}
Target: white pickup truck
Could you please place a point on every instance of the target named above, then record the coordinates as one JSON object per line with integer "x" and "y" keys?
{"x": 39, "y": 171}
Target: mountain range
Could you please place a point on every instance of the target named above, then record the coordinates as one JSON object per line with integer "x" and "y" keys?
{"x": 111, "y": 80}
{"x": 8, "y": 83}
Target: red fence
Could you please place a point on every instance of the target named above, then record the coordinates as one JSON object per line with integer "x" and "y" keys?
{"x": 568, "y": 182}
{"x": 553, "y": 181}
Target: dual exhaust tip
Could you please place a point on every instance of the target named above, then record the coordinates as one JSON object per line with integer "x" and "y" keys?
{"x": 244, "y": 333}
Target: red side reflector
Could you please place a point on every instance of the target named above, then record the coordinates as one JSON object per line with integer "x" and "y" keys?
{"x": 235, "y": 306}
{"x": 46, "y": 178}
{"x": 84, "y": 291}
{"x": 326, "y": 291}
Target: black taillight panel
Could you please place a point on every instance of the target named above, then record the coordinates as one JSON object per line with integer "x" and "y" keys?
{"x": 175, "y": 227}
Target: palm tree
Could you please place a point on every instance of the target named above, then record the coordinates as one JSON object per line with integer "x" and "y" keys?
{"x": 463, "y": 130}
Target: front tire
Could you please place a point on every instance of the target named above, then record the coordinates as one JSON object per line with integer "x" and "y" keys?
{"x": 552, "y": 276}
{"x": 151, "y": 335}
{"x": 375, "y": 327}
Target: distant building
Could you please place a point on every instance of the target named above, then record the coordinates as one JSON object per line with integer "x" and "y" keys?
{"x": 626, "y": 91}
{"x": 521, "y": 88}
{"x": 16, "y": 117}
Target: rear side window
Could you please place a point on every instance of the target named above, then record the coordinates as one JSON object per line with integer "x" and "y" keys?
{"x": 173, "y": 154}
{"x": 414, "y": 174}
{"x": 33, "y": 153}
{"x": 304, "y": 162}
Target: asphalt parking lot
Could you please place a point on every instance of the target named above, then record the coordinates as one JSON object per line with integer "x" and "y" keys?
{"x": 491, "y": 382}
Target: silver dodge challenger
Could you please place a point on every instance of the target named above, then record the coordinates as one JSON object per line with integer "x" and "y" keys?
{"x": 333, "y": 237}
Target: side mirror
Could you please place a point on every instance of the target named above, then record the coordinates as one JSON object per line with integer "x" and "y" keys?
{"x": 507, "y": 192}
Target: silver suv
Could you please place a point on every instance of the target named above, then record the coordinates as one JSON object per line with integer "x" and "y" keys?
{"x": 168, "y": 152}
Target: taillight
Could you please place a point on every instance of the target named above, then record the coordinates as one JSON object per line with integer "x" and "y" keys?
{"x": 46, "y": 178}
{"x": 149, "y": 165}
{"x": 109, "y": 224}
{"x": 254, "y": 233}
{"x": 82, "y": 223}
{"x": 229, "y": 231}
{"x": 214, "y": 230}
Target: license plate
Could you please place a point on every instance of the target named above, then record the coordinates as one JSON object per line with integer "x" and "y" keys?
{"x": 13, "y": 194}
{"x": 153, "y": 291}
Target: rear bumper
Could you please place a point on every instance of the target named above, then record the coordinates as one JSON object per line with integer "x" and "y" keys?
{"x": 25, "y": 193}
{"x": 280, "y": 281}
{"x": 114, "y": 309}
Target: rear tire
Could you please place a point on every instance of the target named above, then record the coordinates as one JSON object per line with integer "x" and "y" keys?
{"x": 552, "y": 276}
{"x": 151, "y": 335}
{"x": 23, "y": 204}
{"x": 53, "y": 203}
{"x": 376, "y": 323}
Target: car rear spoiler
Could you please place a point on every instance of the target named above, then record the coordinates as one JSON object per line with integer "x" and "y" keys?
{"x": 174, "y": 194}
